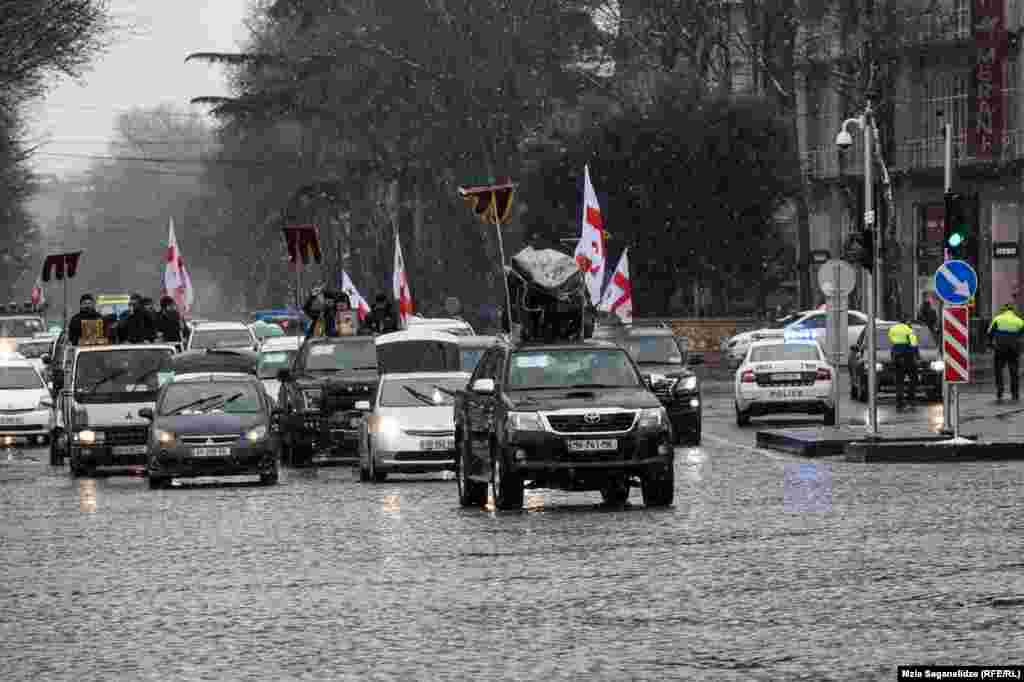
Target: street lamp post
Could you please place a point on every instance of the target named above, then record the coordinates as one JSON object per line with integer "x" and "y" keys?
{"x": 844, "y": 140}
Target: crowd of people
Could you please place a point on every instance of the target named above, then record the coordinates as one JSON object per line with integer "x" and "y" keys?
{"x": 330, "y": 313}
{"x": 141, "y": 323}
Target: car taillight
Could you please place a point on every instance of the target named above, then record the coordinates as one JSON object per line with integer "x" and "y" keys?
{"x": 823, "y": 374}
{"x": 747, "y": 377}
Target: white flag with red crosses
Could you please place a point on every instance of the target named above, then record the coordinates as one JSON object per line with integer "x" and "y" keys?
{"x": 618, "y": 295}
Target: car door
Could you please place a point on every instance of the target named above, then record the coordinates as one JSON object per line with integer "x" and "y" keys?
{"x": 479, "y": 407}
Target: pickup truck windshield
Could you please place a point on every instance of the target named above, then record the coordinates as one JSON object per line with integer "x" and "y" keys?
{"x": 567, "y": 369}
{"x": 340, "y": 356}
{"x": 119, "y": 371}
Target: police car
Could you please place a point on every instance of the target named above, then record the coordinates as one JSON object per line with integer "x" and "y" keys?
{"x": 786, "y": 375}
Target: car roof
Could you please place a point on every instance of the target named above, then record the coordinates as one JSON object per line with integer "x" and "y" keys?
{"x": 781, "y": 341}
{"x": 213, "y": 376}
{"x": 282, "y": 343}
{"x": 399, "y": 376}
{"x": 589, "y": 344}
{"x": 416, "y": 335}
{"x": 126, "y": 346}
{"x": 221, "y": 326}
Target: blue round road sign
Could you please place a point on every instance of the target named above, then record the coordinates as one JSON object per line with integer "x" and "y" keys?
{"x": 955, "y": 282}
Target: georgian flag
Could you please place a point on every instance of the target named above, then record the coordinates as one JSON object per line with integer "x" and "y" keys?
{"x": 177, "y": 283}
{"x": 38, "y": 295}
{"x": 400, "y": 286}
{"x": 590, "y": 250}
{"x": 358, "y": 302}
{"x": 618, "y": 295}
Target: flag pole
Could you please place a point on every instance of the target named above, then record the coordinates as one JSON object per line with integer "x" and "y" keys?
{"x": 501, "y": 255}
{"x": 65, "y": 321}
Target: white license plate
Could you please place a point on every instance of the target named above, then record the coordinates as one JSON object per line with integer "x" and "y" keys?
{"x": 786, "y": 393}
{"x": 593, "y": 445}
{"x": 211, "y": 452}
{"x": 437, "y": 444}
{"x": 11, "y": 421}
{"x": 129, "y": 449}
{"x": 794, "y": 376}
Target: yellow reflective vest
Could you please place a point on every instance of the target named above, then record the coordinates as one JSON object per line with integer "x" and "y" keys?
{"x": 902, "y": 338}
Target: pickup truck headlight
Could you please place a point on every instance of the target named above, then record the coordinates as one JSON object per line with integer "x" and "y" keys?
{"x": 937, "y": 365}
{"x": 687, "y": 384}
{"x": 257, "y": 434}
{"x": 383, "y": 426}
{"x": 165, "y": 438}
{"x": 524, "y": 421}
{"x": 652, "y": 418}
{"x": 89, "y": 437}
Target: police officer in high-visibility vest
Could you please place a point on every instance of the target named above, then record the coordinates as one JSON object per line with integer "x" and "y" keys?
{"x": 904, "y": 358}
{"x": 1004, "y": 338}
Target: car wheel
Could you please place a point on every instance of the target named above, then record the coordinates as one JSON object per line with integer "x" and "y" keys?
{"x": 272, "y": 476}
{"x": 615, "y": 493}
{"x": 694, "y": 438}
{"x": 375, "y": 476}
{"x": 830, "y": 416}
{"x": 471, "y": 493}
{"x": 658, "y": 485}
{"x": 76, "y": 468}
{"x": 507, "y": 485}
{"x": 302, "y": 455}
{"x": 56, "y": 455}
{"x": 742, "y": 418}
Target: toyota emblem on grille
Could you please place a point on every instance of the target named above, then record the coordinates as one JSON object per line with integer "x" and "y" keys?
{"x": 592, "y": 418}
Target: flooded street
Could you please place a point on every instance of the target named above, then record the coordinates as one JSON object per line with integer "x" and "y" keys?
{"x": 767, "y": 567}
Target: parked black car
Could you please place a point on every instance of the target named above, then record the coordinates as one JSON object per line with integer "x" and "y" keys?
{"x": 318, "y": 396}
{"x": 211, "y": 425}
{"x": 574, "y": 416}
{"x": 929, "y": 369}
{"x": 665, "y": 359}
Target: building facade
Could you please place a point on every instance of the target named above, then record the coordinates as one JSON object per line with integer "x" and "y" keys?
{"x": 958, "y": 65}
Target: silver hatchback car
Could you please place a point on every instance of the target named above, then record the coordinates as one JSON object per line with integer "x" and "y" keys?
{"x": 410, "y": 427}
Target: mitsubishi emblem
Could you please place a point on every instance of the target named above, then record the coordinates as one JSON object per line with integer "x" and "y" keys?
{"x": 592, "y": 418}
{"x": 209, "y": 441}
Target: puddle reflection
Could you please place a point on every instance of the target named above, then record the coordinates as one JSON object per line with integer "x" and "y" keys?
{"x": 87, "y": 496}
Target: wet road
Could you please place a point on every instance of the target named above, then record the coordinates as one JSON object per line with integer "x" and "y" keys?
{"x": 763, "y": 570}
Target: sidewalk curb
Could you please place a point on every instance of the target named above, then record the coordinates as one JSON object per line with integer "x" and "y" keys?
{"x": 945, "y": 451}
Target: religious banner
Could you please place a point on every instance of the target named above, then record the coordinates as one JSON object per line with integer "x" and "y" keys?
{"x": 989, "y": 82}
{"x": 61, "y": 265}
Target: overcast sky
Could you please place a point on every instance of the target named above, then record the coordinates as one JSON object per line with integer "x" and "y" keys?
{"x": 144, "y": 66}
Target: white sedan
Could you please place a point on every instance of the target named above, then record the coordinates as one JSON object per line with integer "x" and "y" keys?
{"x": 784, "y": 376}
{"x": 26, "y": 415}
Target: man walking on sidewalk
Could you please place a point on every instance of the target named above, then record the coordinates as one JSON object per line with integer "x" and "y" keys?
{"x": 1004, "y": 338}
{"x": 904, "y": 357}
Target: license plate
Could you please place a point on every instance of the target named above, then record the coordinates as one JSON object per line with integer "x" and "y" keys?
{"x": 129, "y": 449}
{"x": 211, "y": 452}
{"x": 437, "y": 444}
{"x": 786, "y": 393}
{"x": 593, "y": 444}
{"x": 794, "y": 376}
{"x": 11, "y": 421}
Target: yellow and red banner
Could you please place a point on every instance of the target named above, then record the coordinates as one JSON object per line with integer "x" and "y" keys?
{"x": 491, "y": 203}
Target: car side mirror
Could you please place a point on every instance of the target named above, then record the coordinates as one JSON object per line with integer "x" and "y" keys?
{"x": 46, "y": 359}
{"x": 363, "y": 405}
{"x": 146, "y": 413}
{"x": 284, "y": 375}
{"x": 483, "y": 386}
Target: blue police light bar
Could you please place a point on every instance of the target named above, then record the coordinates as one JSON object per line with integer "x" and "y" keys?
{"x": 798, "y": 334}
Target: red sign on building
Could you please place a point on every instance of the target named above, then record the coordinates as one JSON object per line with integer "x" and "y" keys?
{"x": 988, "y": 106}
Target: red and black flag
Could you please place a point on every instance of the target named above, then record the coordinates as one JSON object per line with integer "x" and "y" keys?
{"x": 61, "y": 264}
{"x": 303, "y": 245}
{"x": 491, "y": 203}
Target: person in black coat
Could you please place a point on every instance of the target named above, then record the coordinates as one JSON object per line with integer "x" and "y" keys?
{"x": 138, "y": 327}
{"x": 86, "y": 327}
{"x": 324, "y": 307}
{"x": 382, "y": 318}
{"x": 168, "y": 322}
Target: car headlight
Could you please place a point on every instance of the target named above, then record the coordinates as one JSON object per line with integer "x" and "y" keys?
{"x": 383, "y": 426}
{"x": 937, "y": 365}
{"x": 879, "y": 367}
{"x": 165, "y": 438}
{"x": 89, "y": 437}
{"x": 687, "y": 384}
{"x": 257, "y": 434}
{"x": 651, "y": 418}
{"x": 524, "y": 421}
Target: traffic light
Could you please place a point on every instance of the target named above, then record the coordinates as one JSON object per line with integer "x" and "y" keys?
{"x": 960, "y": 229}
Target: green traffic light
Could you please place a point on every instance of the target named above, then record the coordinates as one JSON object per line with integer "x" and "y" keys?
{"x": 956, "y": 239}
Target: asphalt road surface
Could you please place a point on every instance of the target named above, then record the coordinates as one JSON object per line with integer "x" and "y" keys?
{"x": 768, "y": 567}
